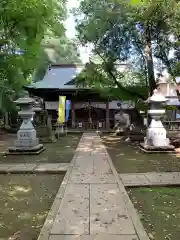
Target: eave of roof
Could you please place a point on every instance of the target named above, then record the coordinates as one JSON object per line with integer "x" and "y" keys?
{"x": 59, "y": 77}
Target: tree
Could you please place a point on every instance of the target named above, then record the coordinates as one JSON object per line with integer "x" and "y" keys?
{"x": 161, "y": 23}
{"x": 97, "y": 77}
{"x": 56, "y": 51}
{"x": 23, "y": 25}
{"x": 111, "y": 27}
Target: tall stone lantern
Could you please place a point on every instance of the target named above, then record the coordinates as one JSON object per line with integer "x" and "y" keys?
{"x": 26, "y": 141}
{"x": 156, "y": 139}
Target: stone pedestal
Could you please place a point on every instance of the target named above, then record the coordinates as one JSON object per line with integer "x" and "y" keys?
{"x": 26, "y": 142}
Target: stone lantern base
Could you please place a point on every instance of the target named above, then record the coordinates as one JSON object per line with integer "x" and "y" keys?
{"x": 26, "y": 151}
{"x": 152, "y": 149}
{"x": 26, "y": 141}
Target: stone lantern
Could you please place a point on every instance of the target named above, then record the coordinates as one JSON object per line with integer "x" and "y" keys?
{"x": 26, "y": 141}
{"x": 156, "y": 139}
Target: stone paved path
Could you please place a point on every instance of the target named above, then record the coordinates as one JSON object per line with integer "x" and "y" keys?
{"x": 33, "y": 167}
{"x": 150, "y": 179}
{"x": 92, "y": 203}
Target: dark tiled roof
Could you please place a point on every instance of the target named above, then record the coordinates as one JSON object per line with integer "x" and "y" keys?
{"x": 59, "y": 77}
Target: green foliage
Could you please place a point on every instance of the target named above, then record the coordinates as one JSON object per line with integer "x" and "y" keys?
{"x": 56, "y": 50}
{"x": 62, "y": 51}
{"x": 110, "y": 27}
{"x": 141, "y": 106}
{"x": 111, "y": 83}
{"x": 171, "y": 108}
{"x": 162, "y": 19}
{"x": 23, "y": 25}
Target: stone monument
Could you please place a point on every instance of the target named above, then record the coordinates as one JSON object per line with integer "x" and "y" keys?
{"x": 26, "y": 142}
{"x": 156, "y": 140}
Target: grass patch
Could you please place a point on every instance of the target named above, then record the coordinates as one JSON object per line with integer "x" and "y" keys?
{"x": 127, "y": 158}
{"x": 159, "y": 209}
{"x": 25, "y": 201}
{"x": 61, "y": 151}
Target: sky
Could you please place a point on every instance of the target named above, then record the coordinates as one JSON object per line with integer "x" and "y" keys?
{"x": 71, "y": 32}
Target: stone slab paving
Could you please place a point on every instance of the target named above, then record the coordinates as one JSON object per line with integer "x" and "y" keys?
{"x": 73, "y": 213}
{"x": 94, "y": 237}
{"x": 33, "y": 167}
{"x": 52, "y": 167}
{"x": 108, "y": 213}
{"x": 90, "y": 204}
{"x": 22, "y": 167}
{"x": 150, "y": 179}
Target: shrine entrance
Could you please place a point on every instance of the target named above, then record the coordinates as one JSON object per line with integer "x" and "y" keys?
{"x": 90, "y": 118}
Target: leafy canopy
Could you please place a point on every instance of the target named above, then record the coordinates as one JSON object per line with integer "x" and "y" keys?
{"x": 23, "y": 26}
{"x": 135, "y": 32}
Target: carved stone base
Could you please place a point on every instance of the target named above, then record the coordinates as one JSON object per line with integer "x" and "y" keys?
{"x": 152, "y": 149}
{"x": 25, "y": 150}
{"x": 26, "y": 143}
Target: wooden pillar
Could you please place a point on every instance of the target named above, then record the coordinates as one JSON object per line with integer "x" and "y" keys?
{"x": 89, "y": 115}
{"x": 73, "y": 115}
{"x": 107, "y": 116}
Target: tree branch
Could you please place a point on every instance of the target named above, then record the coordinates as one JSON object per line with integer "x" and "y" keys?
{"x": 113, "y": 77}
{"x": 163, "y": 57}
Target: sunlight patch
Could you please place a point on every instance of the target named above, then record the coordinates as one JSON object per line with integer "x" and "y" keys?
{"x": 22, "y": 189}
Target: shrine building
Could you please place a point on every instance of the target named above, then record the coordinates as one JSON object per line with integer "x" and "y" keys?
{"x": 89, "y": 110}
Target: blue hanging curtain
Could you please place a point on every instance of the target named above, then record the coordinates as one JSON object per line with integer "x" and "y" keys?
{"x": 68, "y": 107}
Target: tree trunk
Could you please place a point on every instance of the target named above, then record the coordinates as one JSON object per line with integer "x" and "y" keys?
{"x": 150, "y": 67}
{"x": 149, "y": 62}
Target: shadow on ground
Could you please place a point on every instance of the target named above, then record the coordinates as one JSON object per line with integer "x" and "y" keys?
{"x": 61, "y": 151}
{"x": 127, "y": 157}
{"x": 159, "y": 209}
{"x": 25, "y": 201}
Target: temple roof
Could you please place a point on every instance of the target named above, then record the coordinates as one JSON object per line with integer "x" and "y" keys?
{"x": 58, "y": 77}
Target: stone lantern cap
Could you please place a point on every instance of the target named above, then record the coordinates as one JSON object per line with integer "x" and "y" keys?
{"x": 157, "y": 97}
{"x": 24, "y": 100}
